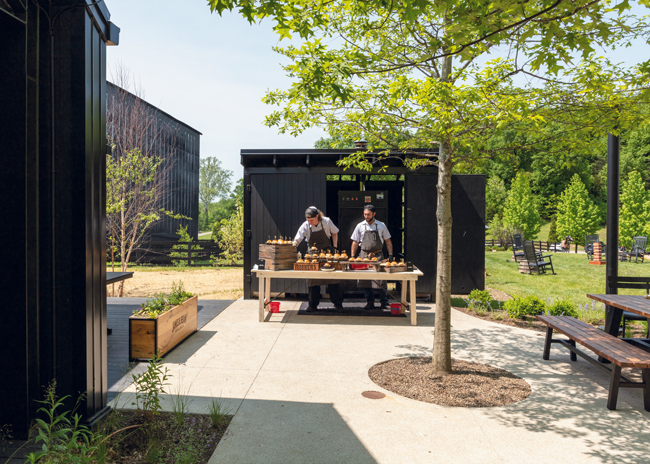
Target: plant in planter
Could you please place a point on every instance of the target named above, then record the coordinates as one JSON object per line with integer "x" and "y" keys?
{"x": 161, "y": 323}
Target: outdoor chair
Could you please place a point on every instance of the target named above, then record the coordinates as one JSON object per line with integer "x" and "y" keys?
{"x": 517, "y": 247}
{"x": 536, "y": 261}
{"x": 638, "y": 249}
{"x": 589, "y": 245}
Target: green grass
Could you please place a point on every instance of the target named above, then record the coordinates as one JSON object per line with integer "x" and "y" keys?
{"x": 574, "y": 278}
{"x": 206, "y": 236}
{"x": 543, "y": 233}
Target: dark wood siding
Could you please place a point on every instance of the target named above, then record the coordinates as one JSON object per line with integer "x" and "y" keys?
{"x": 277, "y": 208}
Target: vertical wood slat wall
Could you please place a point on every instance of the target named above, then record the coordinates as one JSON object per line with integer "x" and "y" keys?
{"x": 278, "y": 204}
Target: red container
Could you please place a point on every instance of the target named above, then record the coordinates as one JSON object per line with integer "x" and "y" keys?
{"x": 274, "y": 307}
{"x": 396, "y": 309}
{"x": 359, "y": 267}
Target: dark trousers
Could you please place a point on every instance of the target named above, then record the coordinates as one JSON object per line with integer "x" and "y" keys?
{"x": 336, "y": 296}
{"x": 370, "y": 295}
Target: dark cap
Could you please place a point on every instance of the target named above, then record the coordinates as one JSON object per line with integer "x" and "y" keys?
{"x": 311, "y": 212}
{"x": 369, "y": 208}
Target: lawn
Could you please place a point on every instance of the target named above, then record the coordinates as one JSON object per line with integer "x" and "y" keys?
{"x": 574, "y": 278}
{"x": 543, "y": 233}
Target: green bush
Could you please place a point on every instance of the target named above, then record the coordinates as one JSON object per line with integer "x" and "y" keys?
{"x": 528, "y": 306}
{"x": 563, "y": 308}
{"x": 480, "y": 296}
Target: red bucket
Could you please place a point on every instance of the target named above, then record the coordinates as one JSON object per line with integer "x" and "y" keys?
{"x": 396, "y": 309}
{"x": 274, "y": 307}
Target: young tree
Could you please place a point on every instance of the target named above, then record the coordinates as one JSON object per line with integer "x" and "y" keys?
{"x": 553, "y": 237}
{"x": 214, "y": 182}
{"x": 634, "y": 216}
{"x": 231, "y": 236}
{"x": 520, "y": 210}
{"x": 136, "y": 172}
{"x": 377, "y": 71}
{"x": 495, "y": 197}
{"x": 577, "y": 215}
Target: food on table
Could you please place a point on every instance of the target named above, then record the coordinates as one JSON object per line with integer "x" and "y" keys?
{"x": 328, "y": 255}
{"x": 299, "y": 260}
{"x": 336, "y": 256}
{"x": 394, "y": 264}
{"x": 344, "y": 255}
{"x": 359, "y": 259}
{"x": 269, "y": 241}
{"x": 307, "y": 256}
{"x": 366, "y": 259}
{"x": 327, "y": 266}
{"x": 280, "y": 242}
{"x": 322, "y": 255}
{"x": 374, "y": 258}
{"x": 314, "y": 248}
{"x": 274, "y": 242}
{"x": 314, "y": 260}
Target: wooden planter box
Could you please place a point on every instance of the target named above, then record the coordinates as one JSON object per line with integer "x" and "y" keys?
{"x": 149, "y": 336}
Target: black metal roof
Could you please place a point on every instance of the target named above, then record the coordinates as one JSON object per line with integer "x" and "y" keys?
{"x": 313, "y": 157}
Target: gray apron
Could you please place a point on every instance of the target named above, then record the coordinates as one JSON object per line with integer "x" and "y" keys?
{"x": 371, "y": 243}
{"x": 319, "y": 240}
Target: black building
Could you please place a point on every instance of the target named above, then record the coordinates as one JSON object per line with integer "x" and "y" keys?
{"x": 134, "y": 123}
{"x": 52, "y": 197}
{"x": 280, "y": 184}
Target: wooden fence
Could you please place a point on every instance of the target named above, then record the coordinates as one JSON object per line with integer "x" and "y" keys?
{"x": 158, "y": 252}
{"x": 538, "y": 244}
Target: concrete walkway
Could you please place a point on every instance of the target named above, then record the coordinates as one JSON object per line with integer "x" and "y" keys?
{"x": 295, "y": 384}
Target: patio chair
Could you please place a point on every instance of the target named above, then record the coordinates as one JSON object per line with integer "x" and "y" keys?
{"x": 589, "y": 245}
{"x": 638, "y": 249}
{"x": 517, "y": 247}
{"x": 536, "y": 261}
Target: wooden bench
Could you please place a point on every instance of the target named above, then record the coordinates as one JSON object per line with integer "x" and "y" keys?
{"x": 615, "y": 350}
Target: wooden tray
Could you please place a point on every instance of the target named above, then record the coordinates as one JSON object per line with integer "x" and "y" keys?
{"x": 393, "y": 269}
{"x": 306, "y": 266}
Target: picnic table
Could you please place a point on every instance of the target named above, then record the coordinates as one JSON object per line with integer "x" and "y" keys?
{"x": 407, "y": 278}
{"x": 636, "y": 304}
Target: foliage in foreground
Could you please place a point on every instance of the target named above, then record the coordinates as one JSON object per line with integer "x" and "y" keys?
{"x": 230, "y": 236}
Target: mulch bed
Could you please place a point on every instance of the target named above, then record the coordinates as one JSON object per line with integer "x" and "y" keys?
{"x": 529, "y": 323}
{"x": 469, "y": 385}
{"x": 161, "y": 438}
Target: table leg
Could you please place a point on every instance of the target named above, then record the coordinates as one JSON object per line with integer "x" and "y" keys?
{"x": 413, "y": 304}
{"x": 267, "y": 293}
{"x": 403, "y": 296}
{"x": 261, "y": 288}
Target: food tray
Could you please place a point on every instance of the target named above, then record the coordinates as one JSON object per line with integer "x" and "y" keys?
{"x": 394, "y": 269}
{"x": 306, "y": 266}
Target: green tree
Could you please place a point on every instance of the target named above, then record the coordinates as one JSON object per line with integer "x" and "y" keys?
{"x": 231, "y": 236}
{"x": 495, "y": 197}
{"x": 577, "y": 215}
{"x": 634, "y": 216}
{"x": 214, "y": 182}
{"x": 184, "y": 239}
{"x": 520, "y": 209}
{"x": 405, "y": 75}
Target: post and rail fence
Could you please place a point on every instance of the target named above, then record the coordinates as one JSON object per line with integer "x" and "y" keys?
{"x": 158, "y": 252}
{"x": 538, "y": 244}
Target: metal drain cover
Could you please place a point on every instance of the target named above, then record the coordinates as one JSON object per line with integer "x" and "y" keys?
{"x": 373, "y": 395}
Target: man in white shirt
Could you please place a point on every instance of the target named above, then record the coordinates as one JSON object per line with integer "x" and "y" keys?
{"x": 371, "y": 235}
{"x": 318, "y": 230}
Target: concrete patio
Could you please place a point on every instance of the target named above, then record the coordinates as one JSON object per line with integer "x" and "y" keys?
{"x": 294, "y": 384}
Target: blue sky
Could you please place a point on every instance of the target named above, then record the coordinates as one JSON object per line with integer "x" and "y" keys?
{"x": 210, "y": 72}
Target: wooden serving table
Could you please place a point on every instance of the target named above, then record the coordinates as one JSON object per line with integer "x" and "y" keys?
{"x": 407, "y": 278}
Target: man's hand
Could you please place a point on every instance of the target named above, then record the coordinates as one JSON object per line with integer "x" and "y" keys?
{"x": 294, "y": 243}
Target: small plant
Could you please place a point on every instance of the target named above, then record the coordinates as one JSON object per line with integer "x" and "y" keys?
{"x": 218, "y": 412}
{"x": 149, "y": 385}
{"x": 528, "y": 306}
{"x": 180, "y": 404}
{"x": 5, "y": 435}
{"x": 479, "y": 300}
{"x": 563, "y": 308}
{"x": 160, "y": 303}
{"x": 63, "y": 439}
{"x": 184, "y": 238}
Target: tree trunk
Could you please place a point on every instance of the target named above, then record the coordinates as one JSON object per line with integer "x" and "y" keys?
{"x": 441, "y": 358}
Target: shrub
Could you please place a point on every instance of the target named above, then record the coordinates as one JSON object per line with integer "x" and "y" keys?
{"x": 160, "y": 303}
{"x": 149, "y": 385}
{"x": 528, "y": 306}
{"x": 563, "y": 307}
{"x": 479, "y": 299}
